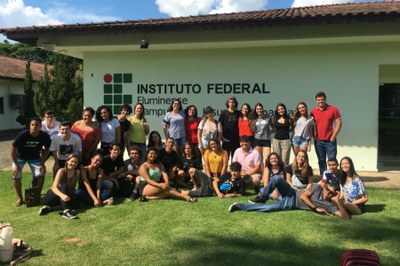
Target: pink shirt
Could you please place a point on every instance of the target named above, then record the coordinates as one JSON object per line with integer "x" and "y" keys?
{"x": 249, "y": 160}
{"x": 324, "y": 121}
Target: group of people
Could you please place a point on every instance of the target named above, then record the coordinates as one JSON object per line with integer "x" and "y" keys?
{"x": 193, "y": 161}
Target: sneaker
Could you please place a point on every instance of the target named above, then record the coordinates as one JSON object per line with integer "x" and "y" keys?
{"x": 68, "y": 215}
{"x": 143, "y": 199}
{"x": 134, "y": 196}
{"x": 191, "y": 200}
{"x": 44, "y": 210}
{"x": 257, "y": 199}
{"x": 234, "y": 207}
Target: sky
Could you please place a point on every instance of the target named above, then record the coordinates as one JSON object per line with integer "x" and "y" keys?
{"x": 45, "y": 12}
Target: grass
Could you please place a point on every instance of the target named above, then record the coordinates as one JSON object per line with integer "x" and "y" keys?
{"x": 173, "y": 232}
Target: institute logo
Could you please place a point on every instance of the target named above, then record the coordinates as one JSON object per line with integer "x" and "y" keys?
{"x": 113, "y": 89}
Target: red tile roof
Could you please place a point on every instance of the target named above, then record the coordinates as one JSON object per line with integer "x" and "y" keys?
{"x": 337, "y": 13}
{"x": 11, "y": 68}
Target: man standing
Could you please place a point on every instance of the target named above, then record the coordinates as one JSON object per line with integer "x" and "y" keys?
{"x": 328, "y": 124}
{"x": 63, "y": 145}
{"x": 30, "y": 146}
{"x": 250, "y": 159}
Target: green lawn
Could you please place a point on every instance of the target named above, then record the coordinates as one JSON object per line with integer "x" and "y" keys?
{"x": 172, "y": 232}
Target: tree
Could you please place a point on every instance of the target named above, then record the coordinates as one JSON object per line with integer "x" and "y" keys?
{"x": 28, "y": 110}
{"x": 66, "y": 91}
{"x": 42, "y": 100}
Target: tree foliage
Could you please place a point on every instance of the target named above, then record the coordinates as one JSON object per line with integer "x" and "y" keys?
{"x": 28, "y": 111}
{"x": 26, "y": 52}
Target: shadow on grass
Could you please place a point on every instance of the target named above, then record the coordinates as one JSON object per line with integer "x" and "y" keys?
{"x": 256, "y": 250}
{"x": 375, "y": 207}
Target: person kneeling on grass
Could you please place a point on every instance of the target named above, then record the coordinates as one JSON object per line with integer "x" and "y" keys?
{"x": 61, "y": 195}
{"x": 227, "y": 185}
{"x": 154, "y": 180}
{"x": 313, "y": 199}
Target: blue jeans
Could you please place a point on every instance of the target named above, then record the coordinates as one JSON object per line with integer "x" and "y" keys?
{"x": 288, "y": 201}
{"x": 324, "y": 149}
{"x": 83, "y": 196}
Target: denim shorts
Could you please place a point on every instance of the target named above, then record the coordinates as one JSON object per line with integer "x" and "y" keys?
{"x": 179, "y": 142}
{"x": 299, "y": 141}
{"x": 33, "y": 164}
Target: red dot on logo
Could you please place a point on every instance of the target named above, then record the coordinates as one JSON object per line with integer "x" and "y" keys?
{"x": 107, "y": 78}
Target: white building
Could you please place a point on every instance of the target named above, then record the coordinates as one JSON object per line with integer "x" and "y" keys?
{"x": 350, "y": 51}
{"x": 12, "y": 75}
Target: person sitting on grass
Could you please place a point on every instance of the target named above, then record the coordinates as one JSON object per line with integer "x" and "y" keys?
{"x": 190, "y": 159}
{"x": 226, "y": 186}
{"x": 30, "y": 146}
{"x": 131, "y": 171}
{"x": 93, "y": 189}
{"x": 61, "y": 195}
{"x": 313, "y": 199}
{"x": 274, "y": 166}
{"x": 170, "y": 160}
{"x": 113, "y": 165}
{"x": 154, "y": 180}
{"x": 300, "y": 174}
{"x": 352, "y": 187}
{"x": 330, "y": 177}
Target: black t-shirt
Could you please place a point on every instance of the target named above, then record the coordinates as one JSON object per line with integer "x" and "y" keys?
{"x": 169, "y": 160}
{"x": 125, "y": 125}
{"x": 29, "y": 147}
{"x": 194, "y": 162}
{"x": 109, "y": 166}
{"x": 282, "y": 130}
{"x": 229, "y": 122}
{"x": 226, "y": 185}
{"x": 297, "y": 173}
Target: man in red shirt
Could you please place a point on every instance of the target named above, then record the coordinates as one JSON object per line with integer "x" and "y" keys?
{"x": 328, "y": 124}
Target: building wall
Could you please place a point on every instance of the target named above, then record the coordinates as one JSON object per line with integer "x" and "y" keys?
{"x": 348, "y": 73}
{"x": 7, "y": 119}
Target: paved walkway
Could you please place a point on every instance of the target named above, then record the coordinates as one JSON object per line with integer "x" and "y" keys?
{"x": 386, "y": 179}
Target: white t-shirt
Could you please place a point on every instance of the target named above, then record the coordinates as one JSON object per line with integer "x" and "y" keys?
{"x": 108, "y": 130}
{"x": 65, "y": 148}
{"x": 51, "y": 131}
{"x": 302, "y": 128}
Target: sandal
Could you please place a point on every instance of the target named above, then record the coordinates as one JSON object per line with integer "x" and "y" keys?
{"x": 19, "y": 203}
{"x": 191, "y": 200}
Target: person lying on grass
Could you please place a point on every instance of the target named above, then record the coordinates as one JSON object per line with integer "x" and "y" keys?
{"x": 61, "y": 195}
{"x": 226, "y": 186}
{"x": 154, "y": 180}
{"x": 313, "y": 199}
{"x": 93, "y": 189}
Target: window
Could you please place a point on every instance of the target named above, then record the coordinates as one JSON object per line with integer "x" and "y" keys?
{"x": 1, "y": 105}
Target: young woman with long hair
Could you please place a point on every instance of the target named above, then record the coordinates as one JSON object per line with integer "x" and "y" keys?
{"x": 244, "y": 123}
{"x": 138, "y": 130}
{"x": 300, "y": 173}
{"x": 260, "y": 125}
{"x": 209, "y": 128}
{"x": 215, "y": 159}
{"x": 174, "y": 125}
{"x": 282, "y": 125}
{"x": 352, "y": 187}
{"x": 110, "y": 128}
{"x": 303, "y": 125}
{"x": 274, "y": 166}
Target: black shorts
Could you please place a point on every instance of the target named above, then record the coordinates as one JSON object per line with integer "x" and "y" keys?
{"x": 142, "y": 185}
{"x": 262, "y": 142}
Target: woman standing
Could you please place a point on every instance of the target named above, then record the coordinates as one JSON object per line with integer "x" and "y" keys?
{"x": 244, "y": 123}
{"x": 215, "y": 159}
{"x": 138, "y": 130}
{"x": 154, "y": 180}
{"x": 352, "y": 187}
{"x": 282, "y": 125}
{"x": 89, "y": 132}
{"x": 96, "y": 191}
{"x": 124, "y": 111}
{"x": 260, "y": 125}
{"x": 303, "y": 128}
{"x": 174, "y": 125}
{"x": 300, "y": 173}
{"x": 192, "y": 122}
{"x": 110, "y": 128}
{"x": 61, "y": 195}
{"x": 230, "y": 131}
{"x": 208, "y": 129}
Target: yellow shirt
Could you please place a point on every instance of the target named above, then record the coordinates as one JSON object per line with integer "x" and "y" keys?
{"x": 215, "y": 160}
{"x": 137, "y": 133}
